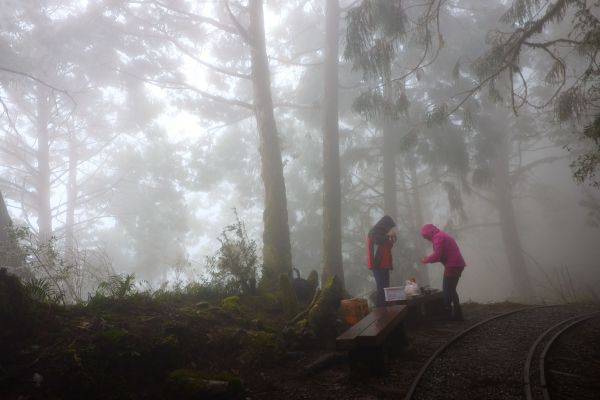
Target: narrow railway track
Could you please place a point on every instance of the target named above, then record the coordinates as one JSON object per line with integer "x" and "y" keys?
{"x": 494, "y": 359}
{"x": 570, "y": 361}
{"x": 536, "y": 384}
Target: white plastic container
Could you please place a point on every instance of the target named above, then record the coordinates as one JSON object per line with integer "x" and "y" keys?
{"x": 394, "y": 293}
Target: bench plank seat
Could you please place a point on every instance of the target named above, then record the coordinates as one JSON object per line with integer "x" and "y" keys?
{"x": 372, "y": 329}
{"x": 346, "y": 339}
{"x": 374, "y": 339}
{"x": 377, "y": 332}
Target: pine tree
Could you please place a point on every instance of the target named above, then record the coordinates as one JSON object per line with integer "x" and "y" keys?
{"x": 567, "y": 34}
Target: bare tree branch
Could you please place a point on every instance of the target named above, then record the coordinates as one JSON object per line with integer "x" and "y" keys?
{"x": 33, "y": 78}
{"x": 241, "y": 30}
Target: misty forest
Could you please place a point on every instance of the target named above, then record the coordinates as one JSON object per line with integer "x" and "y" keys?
{"x": 186, "y": 187}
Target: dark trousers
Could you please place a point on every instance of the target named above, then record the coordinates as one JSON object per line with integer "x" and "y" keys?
{"x": 382, "y": 280}
{"x": 450, "y": 296}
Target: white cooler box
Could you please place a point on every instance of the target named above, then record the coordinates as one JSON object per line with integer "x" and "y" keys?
{"x": 394, "y": 293}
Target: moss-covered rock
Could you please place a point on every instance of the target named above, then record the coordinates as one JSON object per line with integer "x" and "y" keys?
{"x": 114, "y": 337}
{"x": 265, "y": 301}
{"x": 231, "y": 303}
{"x": 264, "y": 348}
{"x": 299, "y": 336}
{"x": 192, "y": 384}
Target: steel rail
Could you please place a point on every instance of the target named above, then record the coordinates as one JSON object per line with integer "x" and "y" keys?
{"x": 417, "y": 380}
{"x": 543, "y": 383}
{"x": 534, "y": 346}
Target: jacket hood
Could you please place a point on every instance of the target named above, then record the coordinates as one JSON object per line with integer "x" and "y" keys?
{"x": 385, "y": 223}
{"x": 429, "y": 230}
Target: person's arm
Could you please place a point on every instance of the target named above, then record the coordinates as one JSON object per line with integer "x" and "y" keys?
{"x": 436, "y": 256}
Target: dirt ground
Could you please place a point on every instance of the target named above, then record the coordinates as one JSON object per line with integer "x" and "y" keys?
{"x": 181, "y": 348}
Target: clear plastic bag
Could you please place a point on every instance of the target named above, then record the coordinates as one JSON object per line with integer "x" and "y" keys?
{"x": 411, "y": 288}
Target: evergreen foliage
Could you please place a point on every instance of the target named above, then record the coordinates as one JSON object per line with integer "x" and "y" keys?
{"x": 374, "y": 28}
{"x": 378, "y": 32}
{"x": 567, "y": 34}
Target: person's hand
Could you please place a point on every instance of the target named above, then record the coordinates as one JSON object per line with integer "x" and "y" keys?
{"x": 423, "y": 260}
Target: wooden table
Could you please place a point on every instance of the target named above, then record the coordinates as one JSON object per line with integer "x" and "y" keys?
{"x": 422, "y": 305}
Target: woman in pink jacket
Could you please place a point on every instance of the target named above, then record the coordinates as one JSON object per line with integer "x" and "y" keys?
{"x": 446, "y": 251}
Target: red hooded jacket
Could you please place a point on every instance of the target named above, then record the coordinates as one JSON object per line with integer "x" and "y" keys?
{"x": 445, "y": 249}
{"x": 379, "y": 245}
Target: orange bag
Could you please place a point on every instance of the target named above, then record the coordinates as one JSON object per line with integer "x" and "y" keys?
{"x": 353, "y": 310}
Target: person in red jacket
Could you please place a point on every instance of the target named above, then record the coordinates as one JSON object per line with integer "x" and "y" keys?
{"x": 380, "y": 240}
{"x": 446, "y": 251}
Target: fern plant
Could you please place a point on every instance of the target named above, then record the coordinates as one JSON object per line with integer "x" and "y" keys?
{"x": 42, "y": 291}
{"x": 117, "y": 286}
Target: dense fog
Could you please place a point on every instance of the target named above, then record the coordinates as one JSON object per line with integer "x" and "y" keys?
{"x": 134, "y": 133}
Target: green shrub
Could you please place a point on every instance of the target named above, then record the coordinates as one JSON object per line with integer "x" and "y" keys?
{"x": 235, "y": 265}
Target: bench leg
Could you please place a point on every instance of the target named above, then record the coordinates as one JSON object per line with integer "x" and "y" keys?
{"x": 368, "y": 361}
{"x": 397, "y": 341}
{"x": 373, "y": 361}
{"x": 435, "y": 307}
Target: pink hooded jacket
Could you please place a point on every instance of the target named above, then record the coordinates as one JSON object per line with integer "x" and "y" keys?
{"x": 445, "y": 249}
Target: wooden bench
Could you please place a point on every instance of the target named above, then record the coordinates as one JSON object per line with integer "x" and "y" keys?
{"x": 422, "y": 305}
{"x": 373, "y": 339}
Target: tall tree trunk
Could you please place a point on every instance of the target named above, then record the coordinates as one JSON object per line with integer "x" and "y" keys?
{"x": 43, "y": 171}
{"x": 277, "y": 258}
{"x": 406, "y": 271}
{"x": 71, "y": 200}
{"x": 9, "y": 248}
{"x": 6, "y": 248}
{"x": 332, "y": 203}
{"x": 390, "y": 187}
{"x": 510, "y": 235}
{"x": 5, "y": 220}
{"x": 390, "y": 197}
{"x": 423, "y": 275}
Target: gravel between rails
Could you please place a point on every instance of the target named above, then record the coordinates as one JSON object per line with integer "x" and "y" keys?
{"x": 573, "y": 363}
{"x": 487, "y": 363}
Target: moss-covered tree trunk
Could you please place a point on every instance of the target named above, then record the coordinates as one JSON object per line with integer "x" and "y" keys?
{"x": 277, "y": 258}
{"x": 322, "y": 315}
{"x": 332, "y": 203}
{"x": 318, "y": 322}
